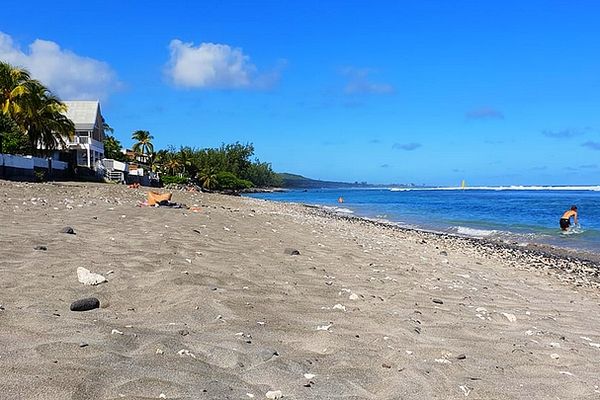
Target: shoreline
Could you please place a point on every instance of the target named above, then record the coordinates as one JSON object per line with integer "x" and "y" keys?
{"x": 569, "y": 261}
{"x": 540, "y": 249}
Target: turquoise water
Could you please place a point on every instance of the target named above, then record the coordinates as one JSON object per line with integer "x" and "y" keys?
{"x": 513, "y": 215}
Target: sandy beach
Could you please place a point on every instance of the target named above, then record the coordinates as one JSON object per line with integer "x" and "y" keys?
{"x": 216, "y": 304}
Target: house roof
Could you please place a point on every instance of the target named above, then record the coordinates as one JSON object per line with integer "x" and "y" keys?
{"x": 84, "y": 114}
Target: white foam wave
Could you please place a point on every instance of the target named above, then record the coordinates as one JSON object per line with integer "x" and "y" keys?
{"x": 575, "y": 230}
{"x": 479, "y": 233}
{"x": 513, "y": 187}
{"x": 341, "y": 210}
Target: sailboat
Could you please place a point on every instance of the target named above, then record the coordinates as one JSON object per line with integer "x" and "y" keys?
{"x": 463, "y": 184}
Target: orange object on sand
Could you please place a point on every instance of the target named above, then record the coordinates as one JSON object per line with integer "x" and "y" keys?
{"x": 155, "y": 197}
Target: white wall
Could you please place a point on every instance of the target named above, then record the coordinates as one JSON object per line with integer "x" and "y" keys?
{"x": 9, "y": 160}
{"x": 29, "y": 162}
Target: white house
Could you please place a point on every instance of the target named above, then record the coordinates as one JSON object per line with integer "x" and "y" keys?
{"x": 87, "y": 144}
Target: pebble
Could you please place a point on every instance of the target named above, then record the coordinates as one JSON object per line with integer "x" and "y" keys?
{"x": 86, "y": 304}
{"x": 461, "y": 357}
{"x": 274, "y": 394}
{"x": 510, "y": 317}
{"x": 437, "y": 301}
{"x": 291, "y": 252}
{"x": 68, "y": 230}
{"x": 183, "y": 332}
{"x": 185, "y": 352}
{"x": 443, "y": 253}
{"x": 43, "y": 248}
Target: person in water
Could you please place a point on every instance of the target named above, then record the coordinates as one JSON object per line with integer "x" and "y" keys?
{"x": 565, "y": 220}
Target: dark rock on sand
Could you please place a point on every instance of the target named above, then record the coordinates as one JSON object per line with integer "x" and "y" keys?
{"x": 291, "y": 252}
{"x": 267, "y": 354}
{"x": 437, "y": 301}
{"x": 43, "y": 248}
{"x": 68, "y": 230}
{"x": 85, "y": 304}
{"x": 443, "y": 253}
{"x": 461, "y": 357}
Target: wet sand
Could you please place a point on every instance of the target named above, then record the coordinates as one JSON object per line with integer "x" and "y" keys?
{"x": 210, "y": 304}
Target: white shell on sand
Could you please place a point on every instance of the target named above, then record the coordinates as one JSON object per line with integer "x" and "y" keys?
{"x": 89, "y": 278}
{"x": 116, "y": 332}
{"x": 274, "y": 394}
{"x": 309, "y": 376}
{"x": 510, "y": 317}
{"x": 466, "y": 390}
{"x": 323, "y": 327}
{"x": 353, "y": 296}
{"x": 339, "y": 307}
{"x": 442, "y": 361}
{"x": 554, "y": 356}
{"x": 185, "y": 352}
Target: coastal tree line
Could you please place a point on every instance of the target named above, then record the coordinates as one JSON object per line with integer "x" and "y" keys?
{"x": 227, "y": 167}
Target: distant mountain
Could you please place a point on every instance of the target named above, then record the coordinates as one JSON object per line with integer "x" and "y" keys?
{"x": 293, "y": 181}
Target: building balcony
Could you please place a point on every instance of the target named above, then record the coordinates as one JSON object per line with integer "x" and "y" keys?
{"x": 85, "y": 142}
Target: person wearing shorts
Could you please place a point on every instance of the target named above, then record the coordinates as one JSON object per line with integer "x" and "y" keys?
{"x": 565, "y": 220}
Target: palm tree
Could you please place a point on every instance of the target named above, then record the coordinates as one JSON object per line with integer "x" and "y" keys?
{"x": 42, "y": 116}
{"x": 14, "y": 85}
{"x": 185, "y": 155}
{"x": 208, "y": 177}
{"x": 143, "y": 145}
{"x": 172, "y": 164}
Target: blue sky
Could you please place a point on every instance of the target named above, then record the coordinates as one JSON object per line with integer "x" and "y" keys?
{"x": 429, "y": 92}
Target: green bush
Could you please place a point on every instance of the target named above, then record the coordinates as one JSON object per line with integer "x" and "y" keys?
{"x": 40, "y": 176}
{"x": 178, "y": 180}
{"x": 228, "y": 181}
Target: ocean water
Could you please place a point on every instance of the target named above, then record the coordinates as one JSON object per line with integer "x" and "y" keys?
{"x": 512, "y": 214}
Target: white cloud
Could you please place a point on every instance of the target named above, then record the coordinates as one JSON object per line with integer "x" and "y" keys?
{"x": 211, "y": 65}
{"x": 359, "y": 82}
{"x": 70, "y": 76}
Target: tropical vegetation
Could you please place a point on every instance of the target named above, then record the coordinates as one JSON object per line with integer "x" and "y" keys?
{"x": 33, "y": 119}
{"x": 143, "y": 145}
{"x": 228, "y": 167}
